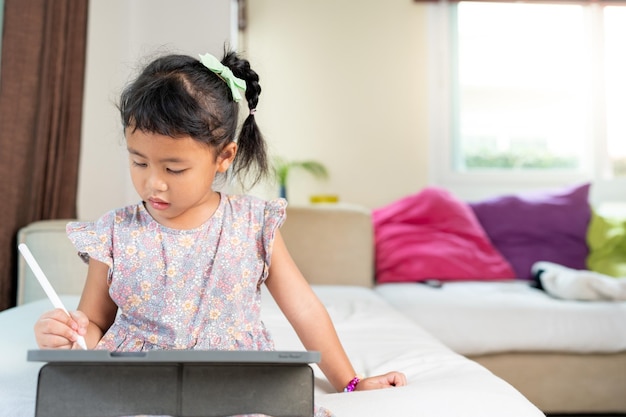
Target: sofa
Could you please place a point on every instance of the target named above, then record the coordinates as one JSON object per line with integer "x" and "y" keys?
{"x": 564, "y": 355}
{"x": 377, "y": 337}
{"x": 469, "y": 347}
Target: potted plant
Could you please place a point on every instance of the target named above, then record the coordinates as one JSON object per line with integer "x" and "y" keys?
{"x": 282, "y": 167}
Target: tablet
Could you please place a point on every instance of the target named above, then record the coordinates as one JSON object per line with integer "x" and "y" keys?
{"x": 176, "y": 356}
{"x": 185, "y": 383}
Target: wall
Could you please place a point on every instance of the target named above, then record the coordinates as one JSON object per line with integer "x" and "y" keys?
{"x": 122, "y": 35}
{"x": 344, "y": 82}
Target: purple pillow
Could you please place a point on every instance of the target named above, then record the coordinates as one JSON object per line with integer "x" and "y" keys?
{"x": 540, "y": 226}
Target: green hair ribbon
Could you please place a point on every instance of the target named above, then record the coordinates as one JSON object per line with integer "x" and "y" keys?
{"x": 235, "y": 84}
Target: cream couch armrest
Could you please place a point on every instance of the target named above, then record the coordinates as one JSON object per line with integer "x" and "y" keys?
{"x": 56, "y": 256}
{"x": 331, "y": 244}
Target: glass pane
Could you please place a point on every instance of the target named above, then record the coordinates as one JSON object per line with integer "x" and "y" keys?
{"x": 615, "y": 59}
{"x": 521, "y": 87}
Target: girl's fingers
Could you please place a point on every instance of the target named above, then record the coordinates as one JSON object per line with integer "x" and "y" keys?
{"x": 56, "y": 330}
{"x": 391, "y": 379}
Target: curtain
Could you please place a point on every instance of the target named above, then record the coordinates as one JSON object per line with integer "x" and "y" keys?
{"x": 1, "y": 20}
{"x": 41, "y": 94}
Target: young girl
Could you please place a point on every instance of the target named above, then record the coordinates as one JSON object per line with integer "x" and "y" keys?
{"x": 184, "y": 266}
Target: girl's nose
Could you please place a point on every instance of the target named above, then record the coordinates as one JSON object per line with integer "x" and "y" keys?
{"x": 157, "y": 183}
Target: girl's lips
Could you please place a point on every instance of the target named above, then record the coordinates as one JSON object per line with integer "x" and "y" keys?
{"x": 158, "y": 204}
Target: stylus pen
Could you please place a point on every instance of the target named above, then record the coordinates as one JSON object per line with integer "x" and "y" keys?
{"x": 45, "y": 284}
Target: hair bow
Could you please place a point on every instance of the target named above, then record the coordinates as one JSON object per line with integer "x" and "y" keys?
{"x": 235, "y": 84}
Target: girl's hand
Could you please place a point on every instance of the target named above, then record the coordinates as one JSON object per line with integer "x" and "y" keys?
{"x": 390, "y": 379}
{"x": 56, "y": 330}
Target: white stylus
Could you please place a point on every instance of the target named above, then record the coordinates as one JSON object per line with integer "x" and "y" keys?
{"x": 45, "y": 284}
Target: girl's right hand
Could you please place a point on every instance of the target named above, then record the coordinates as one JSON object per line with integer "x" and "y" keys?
{"x": 56, "y": 330}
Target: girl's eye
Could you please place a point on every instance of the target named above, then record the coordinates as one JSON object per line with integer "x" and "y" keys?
{"x": 174, "y": 171}
{"x": 139, "y": 164}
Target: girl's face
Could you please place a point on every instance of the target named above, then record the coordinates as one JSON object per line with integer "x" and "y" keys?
{"x": 174, "y": 177}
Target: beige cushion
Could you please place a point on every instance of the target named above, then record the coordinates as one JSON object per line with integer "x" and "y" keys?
{"x": 331, "y": 244}
{"x": 57, "y": 258}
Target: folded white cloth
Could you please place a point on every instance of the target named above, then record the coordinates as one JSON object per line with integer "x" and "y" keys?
{"x": 572, "y": 284}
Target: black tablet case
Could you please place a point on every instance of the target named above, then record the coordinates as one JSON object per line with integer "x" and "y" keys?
{"x": 174, "y": 383}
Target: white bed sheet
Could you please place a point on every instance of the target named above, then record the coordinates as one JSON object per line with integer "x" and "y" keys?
{"x": 474, "y": 318}
{"x": 377, "y": 338}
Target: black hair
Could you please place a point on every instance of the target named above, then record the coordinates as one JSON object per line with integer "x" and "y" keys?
{"x": 176, "y": 95}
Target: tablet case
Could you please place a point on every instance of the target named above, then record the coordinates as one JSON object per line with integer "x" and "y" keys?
{"x": 175, "y": 383}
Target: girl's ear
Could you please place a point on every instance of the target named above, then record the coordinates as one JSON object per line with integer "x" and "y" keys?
{"x": 226, "y": 157}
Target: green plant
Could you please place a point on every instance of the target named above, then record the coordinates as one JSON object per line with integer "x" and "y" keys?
{"x": 521, "y": 159}
{"x": 282, "y": 167}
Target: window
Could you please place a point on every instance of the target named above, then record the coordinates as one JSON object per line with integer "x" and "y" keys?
{"x": 529, "y": 93}
{"x": 615, "y": 68}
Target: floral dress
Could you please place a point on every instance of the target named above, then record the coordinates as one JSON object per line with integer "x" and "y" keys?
{"x": 186, "y": 289}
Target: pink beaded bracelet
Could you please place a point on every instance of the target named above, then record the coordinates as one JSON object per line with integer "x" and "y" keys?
{"x": 352, "y": 384}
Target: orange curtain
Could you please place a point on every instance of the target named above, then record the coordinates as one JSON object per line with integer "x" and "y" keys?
{"x": 41, "y": 95}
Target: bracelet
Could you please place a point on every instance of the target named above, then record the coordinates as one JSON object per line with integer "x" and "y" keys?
{"x": 352, "y": 384}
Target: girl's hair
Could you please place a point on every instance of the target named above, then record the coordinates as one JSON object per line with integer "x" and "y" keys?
{"x": 176, "y": 95}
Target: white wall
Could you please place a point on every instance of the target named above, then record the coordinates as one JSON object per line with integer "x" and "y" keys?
{"x": 344, "y": 82}
{"x": 123, "y": 35}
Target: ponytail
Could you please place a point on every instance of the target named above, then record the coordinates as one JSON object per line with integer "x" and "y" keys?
{"x": 251, "y": 156}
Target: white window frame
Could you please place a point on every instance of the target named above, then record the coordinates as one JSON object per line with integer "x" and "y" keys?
{"x": 476, "y": 185}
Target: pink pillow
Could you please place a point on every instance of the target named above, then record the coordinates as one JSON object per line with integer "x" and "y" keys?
{"x": 433, "y": 235}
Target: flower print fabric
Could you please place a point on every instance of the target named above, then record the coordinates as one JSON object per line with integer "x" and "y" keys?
{"x": 186, "y": 289}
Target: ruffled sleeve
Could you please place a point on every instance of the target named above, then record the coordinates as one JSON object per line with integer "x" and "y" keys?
{"x": 274, "y": 217}
{"x": 93, "y": 239}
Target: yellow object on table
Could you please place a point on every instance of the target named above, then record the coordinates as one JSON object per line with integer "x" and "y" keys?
{"x": 324, "y": 198}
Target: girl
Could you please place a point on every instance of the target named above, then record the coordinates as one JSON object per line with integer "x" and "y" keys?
{"x": 184, "y": 266}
